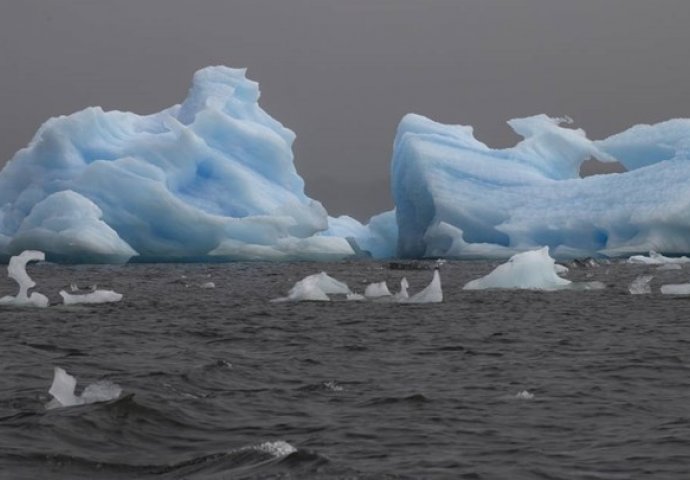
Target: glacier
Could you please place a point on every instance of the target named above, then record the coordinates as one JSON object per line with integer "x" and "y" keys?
{"x": 211, "y": 178}
{"x": 456, "y": 197}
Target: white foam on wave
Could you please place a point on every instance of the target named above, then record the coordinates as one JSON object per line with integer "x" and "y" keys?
{"x": 524, "y": 395}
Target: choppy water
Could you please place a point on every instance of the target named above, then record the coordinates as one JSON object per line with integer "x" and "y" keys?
{"x": 220, "y": 383}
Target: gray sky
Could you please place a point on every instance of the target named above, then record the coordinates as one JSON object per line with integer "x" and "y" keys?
{"x": 341, "y": 73}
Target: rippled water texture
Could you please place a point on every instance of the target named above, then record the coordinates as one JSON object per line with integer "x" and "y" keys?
{"x": 220, "y": 383}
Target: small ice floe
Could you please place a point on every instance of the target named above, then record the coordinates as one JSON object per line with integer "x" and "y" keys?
{"x": 669, "y": 266}
{"x": 315, "y": 288}
{"x": 332, "y": 386}
{"x": 355, "y": 297}
{"x": 432, "y": 293}
{"x": 524, "y": 395}
{"x": 16, "y": 270}
{"x": 676, "y": 289}
{"x": 207, "y": 285}
{"x": 640, "y": 286}
{"x": 377, "y": 290}
{"x": 63, "y": 394}
{"x": 560, "y": 269}
{"x": 655, "y": 258}
{"x": 534, "y": 270}
{"x": 97, "y": 296}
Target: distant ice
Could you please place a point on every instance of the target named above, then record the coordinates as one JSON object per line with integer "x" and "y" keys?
{"x": 524, "y": 395}
{"x": 376, "y": 290}
{"x": 96, "y": 296}
{"x": 676, "y": 289}
{"x": 528, "y": 270}
{"x": 63, "y": 391}
{"x": 669, "y": 266}
{"x": 432, "y": 293}
{"x": 402, "y": 294}
{"x": 640, "y": 286}
{"x": 655, "y": 258}
{"x": 16, "y": 270}
{"x": 207, "y": 285}
{"x": 315, "y": 288}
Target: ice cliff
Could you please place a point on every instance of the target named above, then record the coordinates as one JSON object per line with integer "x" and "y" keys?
{"x": 456, "y": 197}
{"x": 211, "y": 178}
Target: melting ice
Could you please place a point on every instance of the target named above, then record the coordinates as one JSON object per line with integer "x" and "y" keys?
{"x": 63, "y": 391}
{"x": 16, "y": 270}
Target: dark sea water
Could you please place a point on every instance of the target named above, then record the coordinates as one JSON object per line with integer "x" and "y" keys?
{"x": 222, "y": 384}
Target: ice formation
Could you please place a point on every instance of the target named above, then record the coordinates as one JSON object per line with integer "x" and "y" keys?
{"x": 534, "y": 269}
{"x": 640, "y": 286}
{"x": 377, "y": 290}
{"x": 456, "y": 197}
{"x": 16, "y": 270}
{"x": 315, "y": 288}
{"x": 96, "y": 296}
{"x": 402, "y": 294}
{"x": 212, "y": 177}
{"x": 676, "y": 289}
{"x": 432, "y": 293}
{"x": 524, "y": 395}
{"x": 655, "y": 258}
{"x": 63, "y": 394}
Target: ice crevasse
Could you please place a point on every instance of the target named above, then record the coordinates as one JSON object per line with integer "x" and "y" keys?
{"x": 212, "y": 177}
{"x": 456, "y": 197}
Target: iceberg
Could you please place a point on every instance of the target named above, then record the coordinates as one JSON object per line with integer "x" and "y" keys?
{"x": 211, "y": 178}
{"x": 62, "y": 391}
{"x": 16, "y": 270}
{"x": 655, "y": 258}
{"x": 456, "y": 197}
{"x": 432, "y": 293}
{"x": 377, "y": 290}
{"x": 534, "y": 270}
{"x": 315, "y": 288}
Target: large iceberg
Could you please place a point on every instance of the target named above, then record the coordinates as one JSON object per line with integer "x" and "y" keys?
{"x": 456, "y": 197}
{"x": 211, "y": 178}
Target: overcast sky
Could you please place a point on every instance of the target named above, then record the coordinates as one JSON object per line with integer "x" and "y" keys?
{"x": 341, "y": 73}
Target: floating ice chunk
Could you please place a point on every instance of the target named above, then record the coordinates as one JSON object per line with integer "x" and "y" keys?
{"x": 64, "y": 385}
{"x": 97, "y": 296}
{"x": 376, "y": 290}
{"x": 640, "y": 286}
{"x": 524, "y": 395}
{"x": 355, "y": 297}
{"x": 676, "y": 289}
{"x": 277, "y": 449}
{"x": 432, "y": 293}
{"x": 16, "y": 270}
{"x": 402, "y": 294}
{"x": 669, "y": 266}
{"x": 315, "y": 288}
{"x": 528, "y": 270}
{"x": 655, "y": 258}
{"x": 207, "y": 285}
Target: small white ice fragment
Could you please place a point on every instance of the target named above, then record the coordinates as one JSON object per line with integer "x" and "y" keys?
{"x": 63, "y": 394}
{"x": 676, "y": 289}
{"x": 208, "y": 285}
{"x": 97, "y": 296}
{"x": 640, "y": 286}
{"x": 524, "y": 395}
{"x": 402, "y": 294}
{"x": 315, "y": 288}
{"x": 376, "y": 290}
{"x": 432, "y": 293}
{"x": 655, "y": 258}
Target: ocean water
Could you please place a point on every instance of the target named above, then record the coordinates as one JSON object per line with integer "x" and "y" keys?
{"x": 223, "y": 384}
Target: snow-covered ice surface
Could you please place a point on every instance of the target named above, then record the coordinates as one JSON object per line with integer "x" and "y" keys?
{"x": 456, "y": 197}
{"x": 211, "y": 177}
{"x": 16, "y": 270}
{"x": 63, "y": 391}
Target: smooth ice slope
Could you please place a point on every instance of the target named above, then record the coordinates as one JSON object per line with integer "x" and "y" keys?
{"x": 213, "y": 176}
{"x": 534, "y": 270}
{"x": 456, "y": 197}
{"x": 432, "y": 293}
